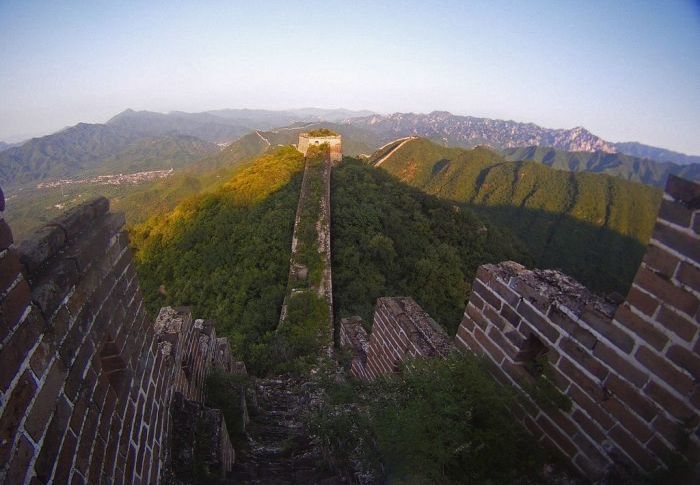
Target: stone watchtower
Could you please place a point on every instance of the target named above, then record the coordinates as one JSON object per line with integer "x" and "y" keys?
{"x": 318, "y": 137}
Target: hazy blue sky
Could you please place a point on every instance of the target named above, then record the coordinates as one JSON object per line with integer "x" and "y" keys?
{"x": 626, "y": 70}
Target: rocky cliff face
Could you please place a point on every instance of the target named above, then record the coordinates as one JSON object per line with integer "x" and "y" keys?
{"x": 469, "y": 131}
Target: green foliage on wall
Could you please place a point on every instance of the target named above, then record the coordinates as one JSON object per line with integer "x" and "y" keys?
{"x": 440, "y": 421}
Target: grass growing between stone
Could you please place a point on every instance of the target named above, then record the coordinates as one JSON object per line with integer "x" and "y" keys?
{"x": 441, "y": 421}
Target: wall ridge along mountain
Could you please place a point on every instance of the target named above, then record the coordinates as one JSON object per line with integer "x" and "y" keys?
{"x": 310, "y": 260}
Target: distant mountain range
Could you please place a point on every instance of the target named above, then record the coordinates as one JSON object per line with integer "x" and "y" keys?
{"x": 467, "y": 131}
{"x": 141, "y": 140}
{"x": 144, "y": 140}
{"x": 575, "y": 150}
{"x": 642, "y": 170}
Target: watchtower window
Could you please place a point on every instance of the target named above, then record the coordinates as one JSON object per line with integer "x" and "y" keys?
{"x": 532, "y": 355}
{"x": 113, "y": 365}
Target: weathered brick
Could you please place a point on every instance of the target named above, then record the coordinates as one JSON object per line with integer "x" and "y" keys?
{"x": 667, "y": 291}
{"x": 689, "y": 275}
{"x": 510, "y": 297}
{"x": 54, "y": 285}
{"x": 476, "y": 300}
{"x": 44, "y": 243}
{"x": 684, "y": 191}
{"x": 496, "y": 354}
{"x": 487, "y": 294}
{"x": 563, "y": 442}
{"x": 675, "y": 213}
{"x": 685, "y": 359}
{"x": 476, "y": 316}
{"x": 19, "y": 464}
{"x": 668, "y": 401}
{"x": 510, "y": 315}
{"x": 641, "y": 301}
{"x": 75, "y": 376}
{"x": 621, "y": 412}
{"x": 583, "y": 358}
{"x": 673, "y": 432}
{"x": 16, "y": 351}
{"x": 46, "y": 402}
{"x": 632, "y": 396}
{"x": 592, "y": 388}
{"x": 677, "y": 323}
{"x": 678, "y": 241}
{"x": 604, "y": 326}
{"x": 640, "y": 327}
{"x": 533, "y": 319}
{"x": 588, "y": 426}
{"x": 96, "y": 460}
{"x": 13, "y": 306}
{"x": 87, "y": 439}
{"x": 665, "y": 370}
{"x": 10, "y": 268}
{"x": 660, "y": 260}
{"x": 65, "y": 458}
{"x": 493, "y": 317}
{"x": 14, "y": 411}
{"x": 52, "y": 442}
{"x": 632, "y": 447}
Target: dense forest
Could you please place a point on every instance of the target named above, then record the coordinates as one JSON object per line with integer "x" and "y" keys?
{"x": 390, "y": 239}
{"x": 593, "y": 227}
{"x": 226, "y": 254}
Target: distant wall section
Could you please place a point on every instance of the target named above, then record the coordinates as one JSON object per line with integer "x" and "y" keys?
{"x": 334, "y": 142}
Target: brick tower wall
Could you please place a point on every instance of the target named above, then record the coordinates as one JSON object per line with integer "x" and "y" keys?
{"x": 86, "y": 379}
{"x": 631, "y": 371}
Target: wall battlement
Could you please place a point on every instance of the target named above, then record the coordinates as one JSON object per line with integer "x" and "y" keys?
{"x": 631, "y": 370}
{"x": 87, "y": 381}
{"x": 334, "y": 142}
{"x": 401, "y": 331}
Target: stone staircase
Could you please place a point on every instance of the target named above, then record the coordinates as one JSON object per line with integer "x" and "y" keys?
{"x": 280, "y": 449}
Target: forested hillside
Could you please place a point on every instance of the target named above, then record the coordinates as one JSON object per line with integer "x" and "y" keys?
{"x": 227, "y": 254}
{"x": 642, "y": 170}
{"x": 390, "y": 239}
{"x": 592, "y": 226}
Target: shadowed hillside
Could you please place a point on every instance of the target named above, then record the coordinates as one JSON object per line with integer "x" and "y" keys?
{"x": 591, "y": 226}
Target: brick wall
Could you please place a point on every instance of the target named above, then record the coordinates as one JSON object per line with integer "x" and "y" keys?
{"x": 86, "y": 379}
{"x": 631, "y": 370}
{"x": 401, "y": 331}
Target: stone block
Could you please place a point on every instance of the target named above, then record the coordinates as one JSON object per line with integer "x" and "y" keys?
{"x": 15, "y": 409}
{"x": 665, "y": 370}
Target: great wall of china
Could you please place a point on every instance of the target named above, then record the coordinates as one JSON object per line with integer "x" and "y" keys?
{"x": 630, "y": 370}
{"x": 92, "y": 390}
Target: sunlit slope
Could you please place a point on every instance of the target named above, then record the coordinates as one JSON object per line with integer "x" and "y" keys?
{"x": 592, "y": 226}
{"x": 226, "y": 253}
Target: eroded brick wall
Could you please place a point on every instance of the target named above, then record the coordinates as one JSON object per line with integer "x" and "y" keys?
{"x": 401, "y": 331}
{"x": 631, "y": 370}
{"x": 86, "y": 380}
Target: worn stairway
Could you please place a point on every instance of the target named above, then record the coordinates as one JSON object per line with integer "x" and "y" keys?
{"x": 280, "y": 449}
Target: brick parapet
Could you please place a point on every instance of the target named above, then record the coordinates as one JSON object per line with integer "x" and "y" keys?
{"x": 401, "y": 331}
{"x": 86, "y": 383}
{"x": 631, "y": 370}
